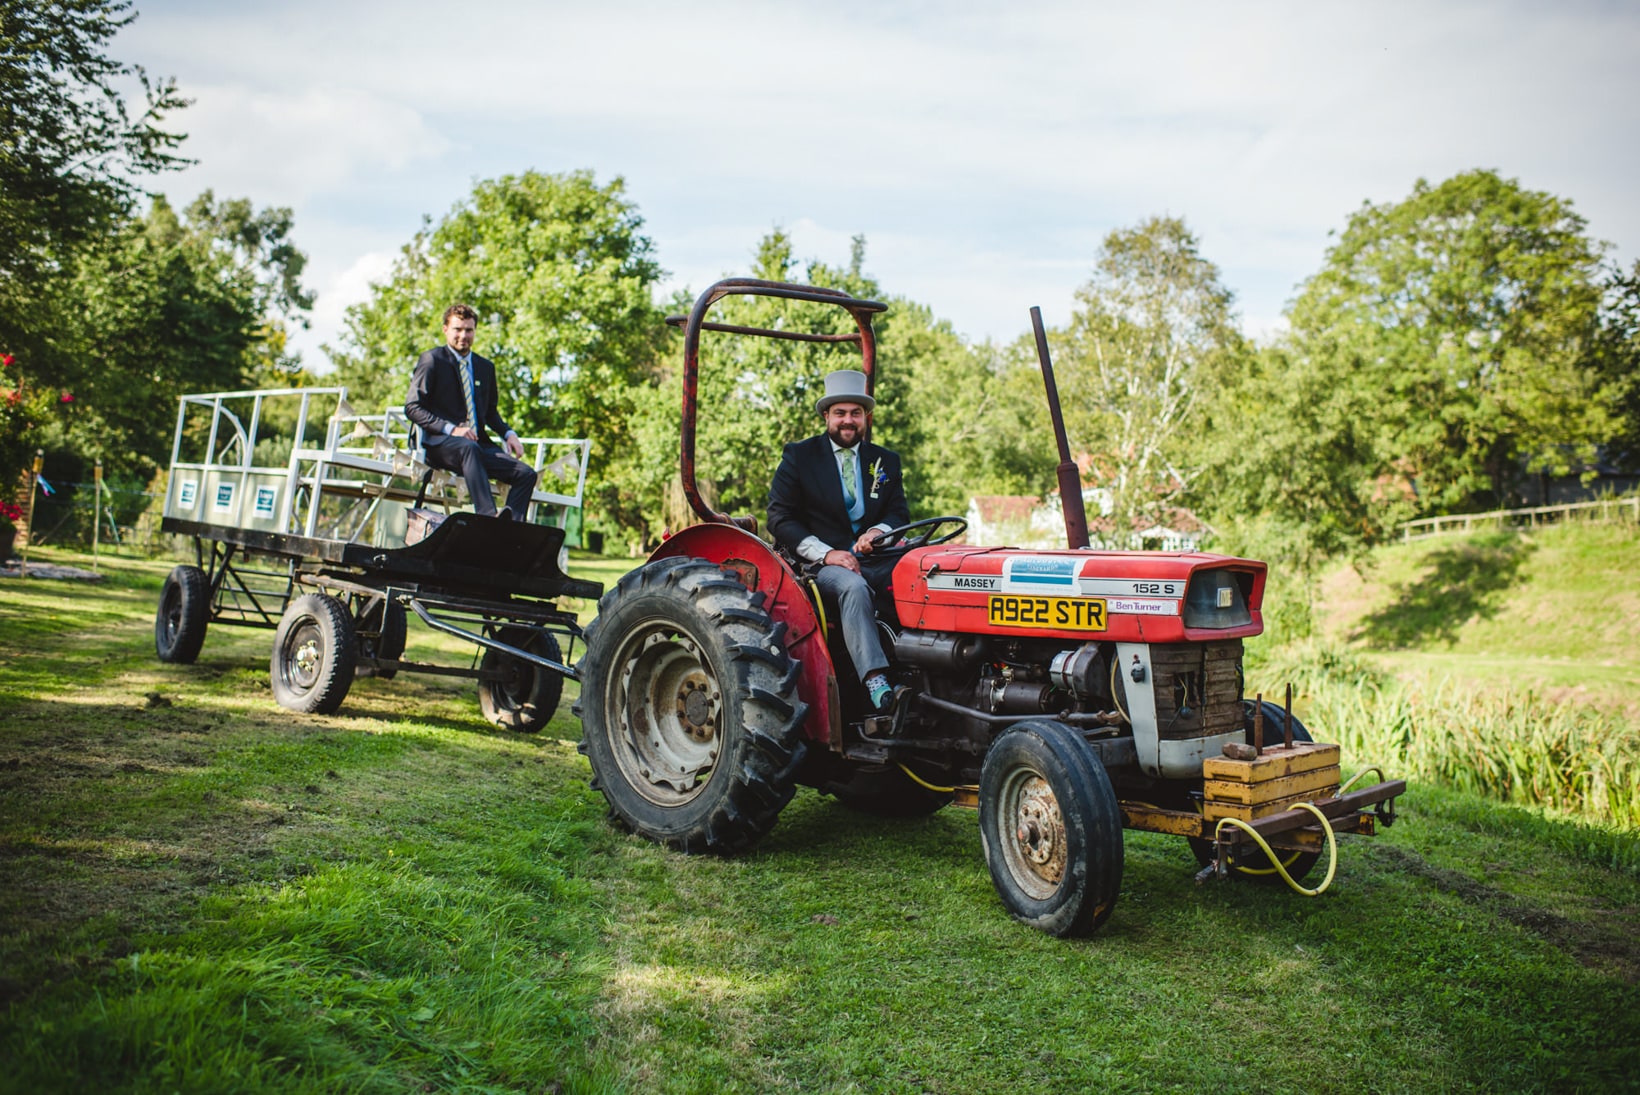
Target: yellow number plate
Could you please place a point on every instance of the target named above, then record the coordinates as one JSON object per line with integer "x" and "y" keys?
{"x": 1052, "y": 613}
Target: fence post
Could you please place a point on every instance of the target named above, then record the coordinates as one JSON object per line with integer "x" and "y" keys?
{"x": 33, "y": 487}
{"x": 96, "y": 515}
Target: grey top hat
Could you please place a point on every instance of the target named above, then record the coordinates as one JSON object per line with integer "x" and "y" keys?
{"x": 845, "y": 386}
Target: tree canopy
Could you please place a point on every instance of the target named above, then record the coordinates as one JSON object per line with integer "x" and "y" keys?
{"x": 1154, "y": 328}
{"x": 108, "y": 315}
{"x": 1462, "y": 316}
{"x": 70, "y": 146}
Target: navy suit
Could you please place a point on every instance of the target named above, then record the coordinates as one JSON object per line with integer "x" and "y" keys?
{"x": 806, "y": 499}
{"x": 436, "y": 403}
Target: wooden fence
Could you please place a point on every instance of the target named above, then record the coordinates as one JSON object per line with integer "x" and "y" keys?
{"x": 1606, "y": 509}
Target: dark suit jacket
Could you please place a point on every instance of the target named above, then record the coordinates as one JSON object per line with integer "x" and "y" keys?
{"x": 806, "y": 498}
{"x": 436, "y": 401}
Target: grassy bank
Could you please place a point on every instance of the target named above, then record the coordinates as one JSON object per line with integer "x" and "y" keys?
{"x": 1554, "y": 611}
{"x": 199, "y": 891}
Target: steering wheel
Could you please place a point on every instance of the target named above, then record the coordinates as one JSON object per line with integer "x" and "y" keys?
{"x": 924, "y": 533}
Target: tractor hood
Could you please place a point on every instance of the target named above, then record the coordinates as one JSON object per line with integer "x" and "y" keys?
{"x": 1120, "y": 596}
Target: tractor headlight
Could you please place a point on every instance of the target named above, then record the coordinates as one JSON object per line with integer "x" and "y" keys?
{"x": 1215, "y": 598}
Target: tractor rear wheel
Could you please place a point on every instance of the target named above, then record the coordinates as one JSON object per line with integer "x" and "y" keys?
{"x": 184, "y": 611}
{"x": 689, "y": 707}
{"x": 1051, "y": 828}
{"x": 884, "y": 790}
{"x": 1254, "y": 863}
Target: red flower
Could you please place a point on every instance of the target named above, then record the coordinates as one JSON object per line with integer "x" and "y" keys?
{"x": 11, "y": 511}
{"x": 7, "y": 360}
{"x": 66, "y": 398}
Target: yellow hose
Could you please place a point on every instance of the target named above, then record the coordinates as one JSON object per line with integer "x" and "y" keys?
{"x": 819, "y": 607}
{"x": 1351, "y": 781}
{"x": 1326, "y": 827}
{"x": 920, "y": 782}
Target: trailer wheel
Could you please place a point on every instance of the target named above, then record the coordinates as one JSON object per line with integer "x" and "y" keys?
{"x": 387, "y": 619}
{"x": 1254, "y": 864}
{"x": 689, "y": 707}
{"x": 184, "y": 611}
{"x": 885, "y": 791}
{"x": 1051, "y": 828}
{"x": 313, "y": 655}
{"x": 527, "y": 694}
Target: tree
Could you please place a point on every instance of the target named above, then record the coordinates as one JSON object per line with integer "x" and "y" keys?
{"x": 1615, "y": 355}
{"x": 70, "y": 148}
{"x": 167, "y": 305}
{"x": 968, "y": 420}
{"x": 562, "y": 279}
{"x": 1461, "y": 317}
{"x": 1154, "y": 328}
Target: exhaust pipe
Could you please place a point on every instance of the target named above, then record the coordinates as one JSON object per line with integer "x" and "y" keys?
{"x": 1070, "y": 476}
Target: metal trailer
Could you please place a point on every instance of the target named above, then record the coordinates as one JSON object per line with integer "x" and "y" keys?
{"x": 327, "y": 527}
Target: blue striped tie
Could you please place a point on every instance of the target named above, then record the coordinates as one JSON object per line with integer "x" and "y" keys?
{"x": 467, "y": 390}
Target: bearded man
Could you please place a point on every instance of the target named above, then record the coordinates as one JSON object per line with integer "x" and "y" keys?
{"x": 832, "y": 496}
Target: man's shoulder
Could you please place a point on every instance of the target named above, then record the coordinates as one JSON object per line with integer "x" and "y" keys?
{"x": 430, "y": 356}
{"x": 807, "y": 448}
{"x": 870, "y": 452}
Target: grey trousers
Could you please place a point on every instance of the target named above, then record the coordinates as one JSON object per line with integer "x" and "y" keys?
{"x": 859, "y": 618}
{"x": 477, "y": 464}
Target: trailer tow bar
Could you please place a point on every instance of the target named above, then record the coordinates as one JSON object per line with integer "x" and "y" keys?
{"x": 489, "y": 643}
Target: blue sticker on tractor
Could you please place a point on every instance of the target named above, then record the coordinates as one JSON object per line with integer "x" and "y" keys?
{"x": 1041, "y": 572}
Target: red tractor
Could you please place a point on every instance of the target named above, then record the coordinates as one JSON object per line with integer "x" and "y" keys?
{"x": 1066, "y": 694}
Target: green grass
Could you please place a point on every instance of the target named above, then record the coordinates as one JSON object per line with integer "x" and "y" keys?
{"x": 202, "y": 892}
{"x": 1556, "y": 610}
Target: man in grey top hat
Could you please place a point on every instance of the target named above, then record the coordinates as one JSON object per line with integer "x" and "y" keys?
{"x": 831, "y": 496}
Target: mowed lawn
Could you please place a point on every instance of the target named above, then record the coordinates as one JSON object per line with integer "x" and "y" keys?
{"x": 202, "y": 892}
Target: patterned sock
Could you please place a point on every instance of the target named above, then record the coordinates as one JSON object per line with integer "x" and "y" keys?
{"x": 877, "y": 684}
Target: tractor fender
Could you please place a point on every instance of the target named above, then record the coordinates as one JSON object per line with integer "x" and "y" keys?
{"x": 786, "y": 599}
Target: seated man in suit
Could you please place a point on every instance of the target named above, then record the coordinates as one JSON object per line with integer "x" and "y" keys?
{"x": 452, "y": 398}
{"x": 833, "y": 494}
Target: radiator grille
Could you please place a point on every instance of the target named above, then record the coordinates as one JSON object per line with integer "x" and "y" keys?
{"x": 1198, "y": 688}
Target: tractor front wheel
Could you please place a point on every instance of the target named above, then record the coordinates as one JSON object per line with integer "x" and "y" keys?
{"x": 689, "y": 707}
{"x": 1051, "y": 828}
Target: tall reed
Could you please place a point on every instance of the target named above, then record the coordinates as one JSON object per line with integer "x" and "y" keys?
{"x": 1504, "y": 743}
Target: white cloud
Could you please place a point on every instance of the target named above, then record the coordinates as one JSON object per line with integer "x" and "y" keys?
{"x": 298, "y": 144}
{"x": 984, "y": 150}
{"x": 333, "y": 298}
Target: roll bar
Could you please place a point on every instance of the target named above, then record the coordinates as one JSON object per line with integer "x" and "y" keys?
{"x": 695, "y": 323}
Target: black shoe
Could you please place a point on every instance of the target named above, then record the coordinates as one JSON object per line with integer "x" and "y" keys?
{"x": 503, "y": 514}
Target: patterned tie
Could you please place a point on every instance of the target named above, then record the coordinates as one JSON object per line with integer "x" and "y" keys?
{"x": 467, "y": 390}
{"x": 848, "y": 477}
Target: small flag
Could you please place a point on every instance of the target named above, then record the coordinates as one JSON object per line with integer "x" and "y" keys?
{"x": 47, "y": 487}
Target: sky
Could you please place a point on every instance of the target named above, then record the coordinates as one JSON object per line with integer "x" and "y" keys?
{"x": 983, "y": 149}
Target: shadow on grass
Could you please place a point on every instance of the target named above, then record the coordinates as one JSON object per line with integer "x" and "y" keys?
{"x": 1459, "y": 583}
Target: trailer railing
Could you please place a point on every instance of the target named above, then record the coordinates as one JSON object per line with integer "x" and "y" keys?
{"x": 302, "y": 461}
